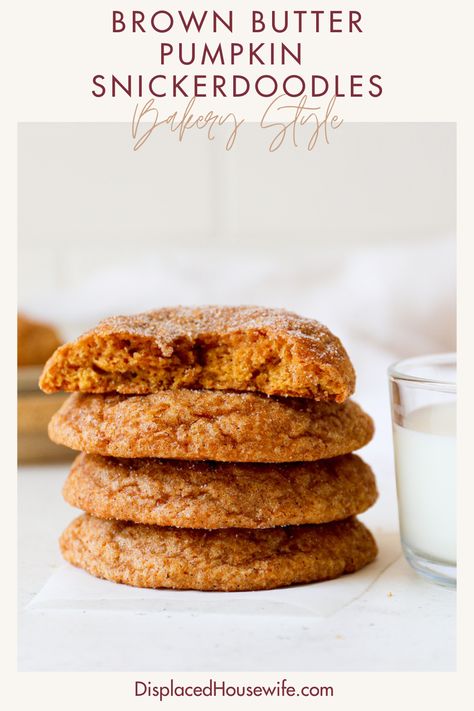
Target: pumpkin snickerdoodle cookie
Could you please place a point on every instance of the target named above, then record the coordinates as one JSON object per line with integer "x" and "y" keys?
{"x": 216, "y": 495}
{"x": 215, "y": 448}
{"x": 201, "y": 424}
{"x": 226, "y": 559}
{"x": 241, "y": 348}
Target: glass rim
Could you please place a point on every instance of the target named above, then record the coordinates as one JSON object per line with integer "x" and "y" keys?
{"x": 396, "y": 370}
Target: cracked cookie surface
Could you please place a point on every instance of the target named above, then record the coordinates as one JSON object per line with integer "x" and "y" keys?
{"x": 218, "y": 495}
{"x": 210, "y": 425}
{"x": 226, "y": 559}
{"x": 241, "y": 348}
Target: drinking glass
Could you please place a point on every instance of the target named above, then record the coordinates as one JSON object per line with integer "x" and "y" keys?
{"x": 423, "y": 400}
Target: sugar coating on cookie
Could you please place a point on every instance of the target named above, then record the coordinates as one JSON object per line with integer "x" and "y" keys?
{"x": 240, "y": 348}
{"x": 225, "y": 559}
{"x": 217, "y": 495}
{"x": 204, "y": 424}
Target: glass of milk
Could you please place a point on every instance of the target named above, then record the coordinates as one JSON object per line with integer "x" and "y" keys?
{"x": 423, "y": 396}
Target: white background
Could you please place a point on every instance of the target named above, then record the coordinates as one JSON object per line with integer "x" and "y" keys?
{"x": 91, "y": 210}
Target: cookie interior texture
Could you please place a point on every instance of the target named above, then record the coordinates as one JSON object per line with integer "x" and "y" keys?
{"x": 210, "y": 425}
{"x": 211, "y": 495}
{"x": 216, "y": 348}
{"x": 225, "y": 560}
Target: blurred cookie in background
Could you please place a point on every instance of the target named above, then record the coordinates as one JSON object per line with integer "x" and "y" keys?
{"x": 36, "y": 342}
{"x": 34, "y": 412}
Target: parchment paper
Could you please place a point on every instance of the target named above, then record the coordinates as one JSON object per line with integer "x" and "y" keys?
{"x": 72, "y": 589}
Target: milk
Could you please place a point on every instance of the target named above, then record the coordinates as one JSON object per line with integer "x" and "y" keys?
{"x": 425, "y": 460}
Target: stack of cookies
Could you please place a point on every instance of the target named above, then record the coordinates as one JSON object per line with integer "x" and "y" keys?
{"x": 216, "y": 450}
